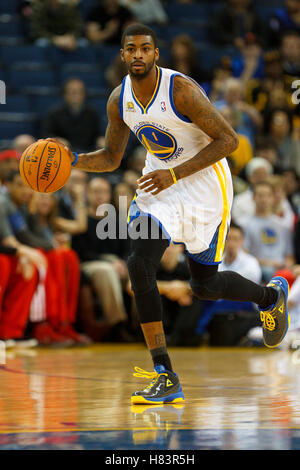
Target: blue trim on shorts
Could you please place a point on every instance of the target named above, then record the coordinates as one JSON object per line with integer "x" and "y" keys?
{"x": 208, "y": 256}
{"x": 135, "y": 212}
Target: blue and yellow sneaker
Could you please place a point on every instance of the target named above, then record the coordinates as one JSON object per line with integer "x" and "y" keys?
{"x": 164, "y": 388}
{"x": 275, "y": 319}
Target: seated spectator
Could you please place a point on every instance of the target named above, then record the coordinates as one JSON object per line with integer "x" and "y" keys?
{"x": 244, "y": 153}
{"x": 220, "y": 74}
{"x": 58, "y": 23}
{"x": 184, "y": 59}
{"x": 259, "y": 89}
{"x": 282, "y": 207}
{"x": 105, "y": 22}
{"x": 248, "y": 119}
{"x": 265, "y": 236}
{"x": 249, "y": 63}
{"x": 234, "y": 21}
{"x": 292, "y": 189}
{"x": 19, "y": 267}
{"x": 9, "y": 160}
{"x": 74, "y": 119}
{"x": 266, "y": 148}
{"x": 136, "y": 161}
{"x": 290, "y": 55}
{"x": 103, "y": 261}
{"x": 52, "y": 316}
{"x": 236, "y": 259}
{"x": 115, "y": 72}
{"x": 45, "y": 209}
{"x": 146, "y": 11}
{"x": 284, "y": 19}
{"x": 279, "y": 127}
{"x": 258, "y": 170}
{"x": 21, "y": 142}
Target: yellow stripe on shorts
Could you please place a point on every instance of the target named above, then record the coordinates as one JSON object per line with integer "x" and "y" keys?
{"x": 218, "y": 167}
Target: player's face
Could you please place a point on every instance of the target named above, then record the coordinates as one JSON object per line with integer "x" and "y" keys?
{"x": 139, "y": 55}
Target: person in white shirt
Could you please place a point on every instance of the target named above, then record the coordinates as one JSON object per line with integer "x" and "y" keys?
{"x": 257, "y": 171}
{"x": 236, "y": 259}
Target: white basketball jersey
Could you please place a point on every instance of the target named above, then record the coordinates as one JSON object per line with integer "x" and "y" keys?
{"x": 168, "y": 137}
{"x": 196, "y": 210}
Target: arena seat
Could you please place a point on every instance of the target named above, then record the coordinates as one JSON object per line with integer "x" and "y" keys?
{"x": 9, "y": 129}
{"x": 30, "y": 82}
{"x": 25, "y": 57}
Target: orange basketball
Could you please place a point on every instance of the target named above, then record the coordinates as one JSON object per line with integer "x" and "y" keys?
{"x": 45, "y": 166}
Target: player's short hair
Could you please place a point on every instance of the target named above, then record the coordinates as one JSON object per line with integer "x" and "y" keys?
{"x": 138, "y": 29}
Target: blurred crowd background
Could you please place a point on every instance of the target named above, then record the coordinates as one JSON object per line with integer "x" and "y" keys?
{"x": 60, "y": 285}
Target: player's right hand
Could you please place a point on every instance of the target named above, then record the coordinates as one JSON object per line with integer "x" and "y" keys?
{"x": 51, "y": 139}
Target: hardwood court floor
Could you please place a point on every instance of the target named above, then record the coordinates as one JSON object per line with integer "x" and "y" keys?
{"x": 79, "y": 398}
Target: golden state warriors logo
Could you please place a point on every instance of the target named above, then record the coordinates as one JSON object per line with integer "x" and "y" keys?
{"x": 160, "y": 143}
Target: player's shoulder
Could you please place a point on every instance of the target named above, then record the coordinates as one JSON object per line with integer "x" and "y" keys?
{"x": 114, "y": 96}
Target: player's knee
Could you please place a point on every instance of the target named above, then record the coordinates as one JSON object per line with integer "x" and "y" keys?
{"x": 142, "y": 273}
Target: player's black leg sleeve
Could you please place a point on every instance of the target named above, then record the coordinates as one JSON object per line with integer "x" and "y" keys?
{"x": 142, "y": 263}
{"x": 209, "y": 284}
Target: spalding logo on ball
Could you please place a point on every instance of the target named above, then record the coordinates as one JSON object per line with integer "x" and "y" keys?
{"x": 45, "y": 166}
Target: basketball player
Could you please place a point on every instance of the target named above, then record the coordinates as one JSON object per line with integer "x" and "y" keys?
{"x": 186, "y": 184}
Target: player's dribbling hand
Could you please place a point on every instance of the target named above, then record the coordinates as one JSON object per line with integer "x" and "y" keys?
{"x": 51, "y": 139}
{"x": 155, "y": 181}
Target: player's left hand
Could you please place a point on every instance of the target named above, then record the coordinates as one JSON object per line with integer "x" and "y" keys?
{"x": 155, "y": 181}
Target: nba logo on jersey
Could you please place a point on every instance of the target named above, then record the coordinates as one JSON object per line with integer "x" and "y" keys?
{"x": 163, "y": 106}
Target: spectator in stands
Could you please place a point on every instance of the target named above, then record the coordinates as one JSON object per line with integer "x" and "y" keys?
{"x": 220, "y": 74}
{"x": 284, "y": 19}
{"x": 258, "y": 170}
{"x": 146, "y": 11}
{"x": 249, "y": 64}
{"x": 296, "y": 241}
{"x": 292, "y": 189}
{"x": 236, "y": 259}
{"x": 279, "y": 127}
{"x": 74, "y": 120}
{"x": 136, "y": 161}
{"x": 266, "y": 148}
{"x": 244, "y": 153}
{"x": 52, "y": 318}
{"x": 249, "y": 120}
{"x": 258, "y": 90}
{"x": 102, "y": 261}
{"x": 57, "y": 22}
{"x": 115, "y": 72}
{"x": 9, "y": 160}
{"x": 265, "y": 236}
{"x": 45, "y": 208}
{"x": 19, "y": 267}
{"x": 282, "y": 207}
{"x": 234, "y": 21}
{"x": 106, "y": 22}
{"x": 21, "y": 142}
{"x": 184, "y": 58}
{"x": 290, "y": 56}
